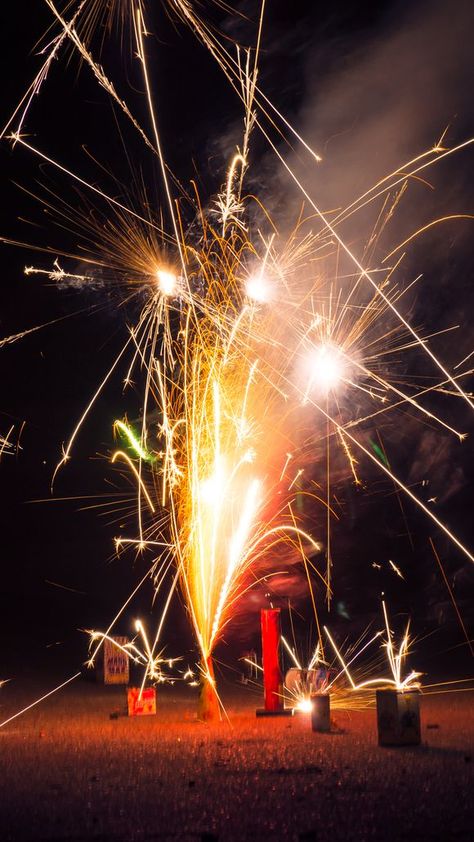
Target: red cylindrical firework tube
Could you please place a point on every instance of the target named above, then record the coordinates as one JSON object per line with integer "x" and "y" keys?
{"x": 272, "y": 675}
{"x": 208, "y": 704}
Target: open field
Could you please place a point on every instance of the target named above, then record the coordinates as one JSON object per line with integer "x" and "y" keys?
{"x": 69, "y": 771}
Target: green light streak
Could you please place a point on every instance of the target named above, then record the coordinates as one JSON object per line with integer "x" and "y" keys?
{"x": 379, "y": 452}
{"x": 132, "y": 440}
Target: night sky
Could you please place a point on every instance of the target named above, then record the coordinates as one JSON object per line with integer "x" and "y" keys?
{"x": 370, "y": 84}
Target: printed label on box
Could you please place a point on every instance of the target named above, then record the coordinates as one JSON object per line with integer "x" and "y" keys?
{"x": 115, "y": 661}
{"x": 142, "y": 704}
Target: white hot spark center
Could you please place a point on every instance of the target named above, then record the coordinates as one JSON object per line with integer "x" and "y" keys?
{"x": 326, "y": 368}
{"x": 258, "y": 289}
{"x": 167, "y": 282}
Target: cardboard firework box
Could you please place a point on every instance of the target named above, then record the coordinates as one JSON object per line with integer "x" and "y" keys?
{"x": 115, "y": 661}
{"x": 398, "y": 717}
{"x": 141, "y": 704}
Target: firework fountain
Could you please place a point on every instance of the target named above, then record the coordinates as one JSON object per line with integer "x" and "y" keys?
{"x": 251, "y": 345}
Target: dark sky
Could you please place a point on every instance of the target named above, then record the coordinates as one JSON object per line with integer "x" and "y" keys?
{"x": 343, "y": 74}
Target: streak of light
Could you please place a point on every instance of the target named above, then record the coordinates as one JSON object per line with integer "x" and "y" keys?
{"x": 41, "y": 699}
{"x": 451, "y": 596}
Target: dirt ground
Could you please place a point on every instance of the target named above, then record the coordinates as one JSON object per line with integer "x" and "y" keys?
{"x": 69, "y": 771}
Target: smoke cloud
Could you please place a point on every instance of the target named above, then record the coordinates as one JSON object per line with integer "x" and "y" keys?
{"x": 390, "y": 97}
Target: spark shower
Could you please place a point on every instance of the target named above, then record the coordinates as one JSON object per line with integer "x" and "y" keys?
{"x": 262, "y": 350}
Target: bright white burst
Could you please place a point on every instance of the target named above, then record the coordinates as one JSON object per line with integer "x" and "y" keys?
{"x": 258, "y": 288}
{"x": 325, "y": 367}
{"x": 167, "y": 282}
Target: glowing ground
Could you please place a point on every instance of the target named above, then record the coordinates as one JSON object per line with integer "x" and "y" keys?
{"x": 69, "y": 771}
